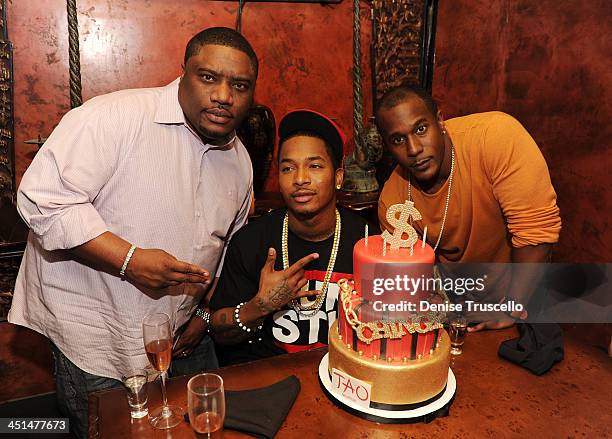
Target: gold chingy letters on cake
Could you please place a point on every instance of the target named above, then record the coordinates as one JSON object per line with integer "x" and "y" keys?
{"x": 390, "y": 329}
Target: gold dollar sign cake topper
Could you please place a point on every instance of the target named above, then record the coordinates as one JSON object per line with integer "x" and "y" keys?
{"x": 402, "y": 225}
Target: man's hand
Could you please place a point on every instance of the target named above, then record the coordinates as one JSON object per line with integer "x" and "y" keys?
{"x": 492, "y": 324}
{"x": 190, "y": 338}
{"x": 149, "y": 268}
{"x": 277, "y": 288}
{"x": 154, "y": 268}
{"x": 501, "y": 323}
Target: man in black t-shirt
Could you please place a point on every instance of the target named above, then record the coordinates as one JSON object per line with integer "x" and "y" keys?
{"x": 278, "y": 290}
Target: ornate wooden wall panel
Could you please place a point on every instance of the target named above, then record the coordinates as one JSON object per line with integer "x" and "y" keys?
{"x": 403, "y": 49}
{"x": 7, "y": 151}
{"x": 12, "y": 230}
{"x": 404, "y": 42}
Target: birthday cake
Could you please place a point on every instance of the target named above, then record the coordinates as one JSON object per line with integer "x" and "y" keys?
{"x": 402, "y": 351}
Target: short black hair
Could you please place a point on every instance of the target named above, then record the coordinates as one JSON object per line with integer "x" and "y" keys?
{"x": 308, "y": 133}
{"x": 221, "y": 36}
{"x": 398, "y": 94}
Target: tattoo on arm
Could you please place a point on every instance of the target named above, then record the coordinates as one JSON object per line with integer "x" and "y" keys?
{"x": 263, "y": 306}
{"x": 227, "y": 330}
{"x": 277, "y": 298}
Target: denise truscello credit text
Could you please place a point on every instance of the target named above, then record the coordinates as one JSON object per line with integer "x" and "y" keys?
{"x": 470, "y": 306}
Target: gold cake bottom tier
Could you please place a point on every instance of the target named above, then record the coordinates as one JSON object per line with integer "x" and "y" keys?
{"x": 397, "y": 382}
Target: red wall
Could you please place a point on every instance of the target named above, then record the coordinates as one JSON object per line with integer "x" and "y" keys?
{"x": 547, "y": 63}
{"x": 305, "y": 53}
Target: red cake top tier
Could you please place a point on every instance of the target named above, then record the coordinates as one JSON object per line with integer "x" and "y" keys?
{"x": 372, "y": 254}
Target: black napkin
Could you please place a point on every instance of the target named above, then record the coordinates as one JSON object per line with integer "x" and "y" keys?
{"x": 260, "y": 412}
{"x": 537, "y": 349}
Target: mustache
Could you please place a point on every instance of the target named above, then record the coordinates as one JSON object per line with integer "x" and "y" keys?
{"x": 302, "y": 192}
{"x": 219, "y": 110}
{"x": 420, "y": 161}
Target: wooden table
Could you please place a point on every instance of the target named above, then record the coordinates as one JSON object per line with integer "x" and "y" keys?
{"x": 494, "y": 398}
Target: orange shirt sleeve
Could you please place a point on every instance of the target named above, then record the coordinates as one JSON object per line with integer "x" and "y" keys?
{"x": 521, "y": 183}
{"x": 382, "y": 216}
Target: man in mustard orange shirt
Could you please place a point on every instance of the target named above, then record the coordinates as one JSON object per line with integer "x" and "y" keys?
{"x": 479, "y": 181}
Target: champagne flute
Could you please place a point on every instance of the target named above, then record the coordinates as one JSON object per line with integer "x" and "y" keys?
{"x": 157, "y": 336}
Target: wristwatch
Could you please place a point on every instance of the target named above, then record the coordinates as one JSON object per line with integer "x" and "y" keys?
{"x": 204, "y": 314}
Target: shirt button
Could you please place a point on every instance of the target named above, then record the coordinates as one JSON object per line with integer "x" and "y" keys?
{"x": 197, "y": 214}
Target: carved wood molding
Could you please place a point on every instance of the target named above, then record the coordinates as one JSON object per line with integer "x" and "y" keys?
{"x": 7, "y": 128}
{"x": 403, "y": 51}
{"x": 403, "y": 42}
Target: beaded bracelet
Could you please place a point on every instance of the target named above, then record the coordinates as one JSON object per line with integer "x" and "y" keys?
{"x": 127, "y": 260}
{"x": 240, "y": 324}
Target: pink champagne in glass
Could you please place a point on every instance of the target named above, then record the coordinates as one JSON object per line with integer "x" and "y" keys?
{"x": 157, "y": 335}
{"x": 208, "y": 422}
{"x": 159, "y": 353}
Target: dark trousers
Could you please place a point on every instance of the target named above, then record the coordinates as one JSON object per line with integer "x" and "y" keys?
{"x": 73, "y": 386}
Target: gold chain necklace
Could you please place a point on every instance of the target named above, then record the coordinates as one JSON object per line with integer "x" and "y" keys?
{"x": 316, "y": 305}
{"x": 450, "y": 186}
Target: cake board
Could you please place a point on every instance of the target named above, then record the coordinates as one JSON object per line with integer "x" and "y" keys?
{"x": 424, "y": 413}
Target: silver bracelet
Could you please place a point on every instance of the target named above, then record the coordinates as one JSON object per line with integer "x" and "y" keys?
{"x": 204, "y": 314}
{"x": 127, "y": 260}
{"x": 240, "y": 324}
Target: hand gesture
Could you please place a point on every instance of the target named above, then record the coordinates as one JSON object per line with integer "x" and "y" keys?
{"x": 277, "y": 288}
{"x": 154, "y": 268}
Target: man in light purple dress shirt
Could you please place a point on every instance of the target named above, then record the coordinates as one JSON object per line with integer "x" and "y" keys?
{"x": 131, "y": 203}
